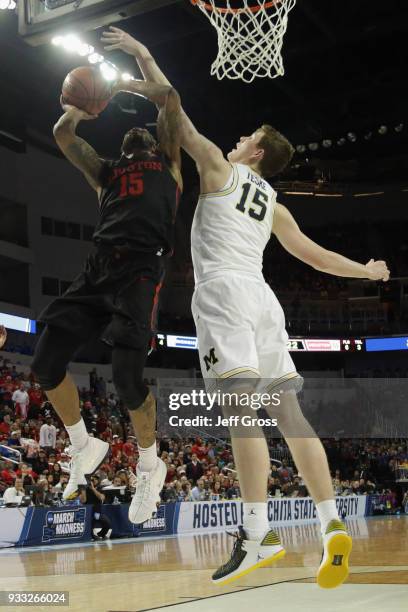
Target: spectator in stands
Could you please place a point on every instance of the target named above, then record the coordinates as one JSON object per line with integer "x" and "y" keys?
{"x": 274, "y": 487}
{"x": 285, "y": 472}
{"x": 169, "y": 493}
{"x": 43, "y": 495}
{"x": 194, "y": 469}
{"x": 234, "y": 492}
{"x": 48, "y": 435}
{"x": 56, "y": 473}
{"x": 36, "y": 396}
{"x": 14, "y": 495}
{"x": 40, "y": 463}
{"x": 198, "y": 492}
{"x": 21, "y": 401}
{"x": 62, "y": 482}
{"x": 5, "y": 426}
{"x": 8, "y": 389}
{"x": 26, "y": 474}
{"x": 186, "y": 492}
{"x": 217, "y": 493}
{"x": 14, "y": 440}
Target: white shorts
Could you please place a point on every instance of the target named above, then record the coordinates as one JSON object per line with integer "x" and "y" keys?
{"x": 241, "y": 330}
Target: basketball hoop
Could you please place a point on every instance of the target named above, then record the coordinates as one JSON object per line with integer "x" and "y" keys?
{"x": 250, "y": 36}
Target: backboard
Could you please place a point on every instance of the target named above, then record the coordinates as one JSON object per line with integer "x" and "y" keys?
{"x": 41, "y": 20}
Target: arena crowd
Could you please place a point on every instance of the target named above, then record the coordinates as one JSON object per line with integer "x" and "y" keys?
{"x": 197, "y": 469}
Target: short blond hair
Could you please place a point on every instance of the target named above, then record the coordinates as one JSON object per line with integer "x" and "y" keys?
{"x": 278, "y": 152}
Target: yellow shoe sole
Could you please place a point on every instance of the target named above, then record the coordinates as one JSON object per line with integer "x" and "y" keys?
{"x": 335, "y": 570}
{"x": 263, "y": 563}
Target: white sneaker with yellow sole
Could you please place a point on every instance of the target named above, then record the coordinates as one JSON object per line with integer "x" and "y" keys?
{"x": 337, "y": 545}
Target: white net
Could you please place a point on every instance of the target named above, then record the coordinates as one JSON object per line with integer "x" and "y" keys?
{"x": 250, "y": 36}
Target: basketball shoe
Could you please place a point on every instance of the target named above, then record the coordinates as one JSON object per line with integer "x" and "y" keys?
{"x": 337, "y": 545}
{"x": 147, "y": 495}
{"x": 84, "y": 463}
{"x": 248, "y": 555}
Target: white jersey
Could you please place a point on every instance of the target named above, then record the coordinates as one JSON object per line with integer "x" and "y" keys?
{"x": 232, "y": 227}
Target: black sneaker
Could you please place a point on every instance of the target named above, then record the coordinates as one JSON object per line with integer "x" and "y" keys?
{"x": 248, "y": 555}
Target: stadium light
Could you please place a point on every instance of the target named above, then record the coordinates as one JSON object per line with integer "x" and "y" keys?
{"x": 327, "y": 143}
{"x": 57, "y": 41}
{"x": 368, "y": 136}
{"x": 109, "y": 72}
{"x": 85, "y": 50}
{"x": 398, "y": 128}
{"x": 71, "y": 43}
{"x": 351, "y": 136}
{"x": 341, "y": 142}
{"x": 7, "y": 4}
{"x": 301, "y": 148}
{"x": 313, "y": 146}
{"x": 382, "y": 130}
{"x": 95, "y": 58}
{"x": 126, "y": 76}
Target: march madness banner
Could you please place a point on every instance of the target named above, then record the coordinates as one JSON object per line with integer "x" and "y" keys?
{"x": 60, "y": 525}
{"x": 217, "y": 516}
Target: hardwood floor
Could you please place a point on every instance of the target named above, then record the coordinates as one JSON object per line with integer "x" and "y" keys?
{"x": 136, "y": 575}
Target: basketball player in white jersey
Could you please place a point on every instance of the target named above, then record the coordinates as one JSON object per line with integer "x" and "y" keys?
{"x": 241, "y": 326}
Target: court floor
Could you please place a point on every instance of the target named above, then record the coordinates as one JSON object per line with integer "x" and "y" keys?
{"x": 174, "y": 573}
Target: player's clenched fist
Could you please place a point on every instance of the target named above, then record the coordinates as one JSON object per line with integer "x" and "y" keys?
{"x": 377, "y": 270}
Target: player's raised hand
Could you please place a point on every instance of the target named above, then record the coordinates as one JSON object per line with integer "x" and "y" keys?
{"x": 80, "y": 114}
{"x": 3, "y": 336}
{"x": 118, "y": 39}
{"x": 377, "y": 270}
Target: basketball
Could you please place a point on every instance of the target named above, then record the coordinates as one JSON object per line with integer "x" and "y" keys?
{"x": 85, "y": 88}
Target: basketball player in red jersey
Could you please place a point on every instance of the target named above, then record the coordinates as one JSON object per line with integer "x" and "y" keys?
{"x": 116, "y": 294}
{"x": 244, "y": 335}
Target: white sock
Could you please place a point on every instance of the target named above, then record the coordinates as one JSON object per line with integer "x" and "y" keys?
{"x": 327, "y": 512}
{"x": 147, "y": 458}
{"x": 256, "y": 520}
{"x": 77, "y": 434}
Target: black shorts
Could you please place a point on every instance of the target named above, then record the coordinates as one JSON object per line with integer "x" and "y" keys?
{"x": 115, "y": 298}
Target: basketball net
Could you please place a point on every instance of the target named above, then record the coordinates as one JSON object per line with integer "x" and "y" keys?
{"x": 250, "y": 38}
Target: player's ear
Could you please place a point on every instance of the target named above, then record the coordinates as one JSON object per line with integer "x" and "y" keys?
{"x": 259, "y": 155}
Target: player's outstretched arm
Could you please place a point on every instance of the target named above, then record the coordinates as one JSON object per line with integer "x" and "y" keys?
{"x": 118, "y": 40}
{"x": 75, "y": 149}
{"x": 297, "y": 244}
{"x": 214, "y": 170}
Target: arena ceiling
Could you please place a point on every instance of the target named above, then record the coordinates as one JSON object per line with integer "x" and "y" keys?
{"x": 345, "y": 72}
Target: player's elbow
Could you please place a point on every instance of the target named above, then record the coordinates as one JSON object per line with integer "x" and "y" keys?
{"x": 62, "y": 135}
{"x": 173, "y": 99}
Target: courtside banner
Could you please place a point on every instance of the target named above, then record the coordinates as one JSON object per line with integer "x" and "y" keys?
{"x": 11, "y": 525}
{"x": 197, "y": 517}
{"x": 62, "y": 525}
{"x": 164, "y": 521}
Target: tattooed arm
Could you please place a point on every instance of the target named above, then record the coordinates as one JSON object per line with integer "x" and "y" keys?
{"x": 75, "y": 149}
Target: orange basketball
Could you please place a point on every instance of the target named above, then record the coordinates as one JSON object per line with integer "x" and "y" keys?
{"x": 86, "y": 89}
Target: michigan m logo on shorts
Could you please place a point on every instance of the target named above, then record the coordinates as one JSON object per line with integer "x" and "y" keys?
{"x": 210, "y": 359}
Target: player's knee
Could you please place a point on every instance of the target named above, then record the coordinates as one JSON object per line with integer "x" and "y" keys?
{"x": 131, "y": 390}
{"x": 48, "y": 370}
{"x": 290, "y": 418}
